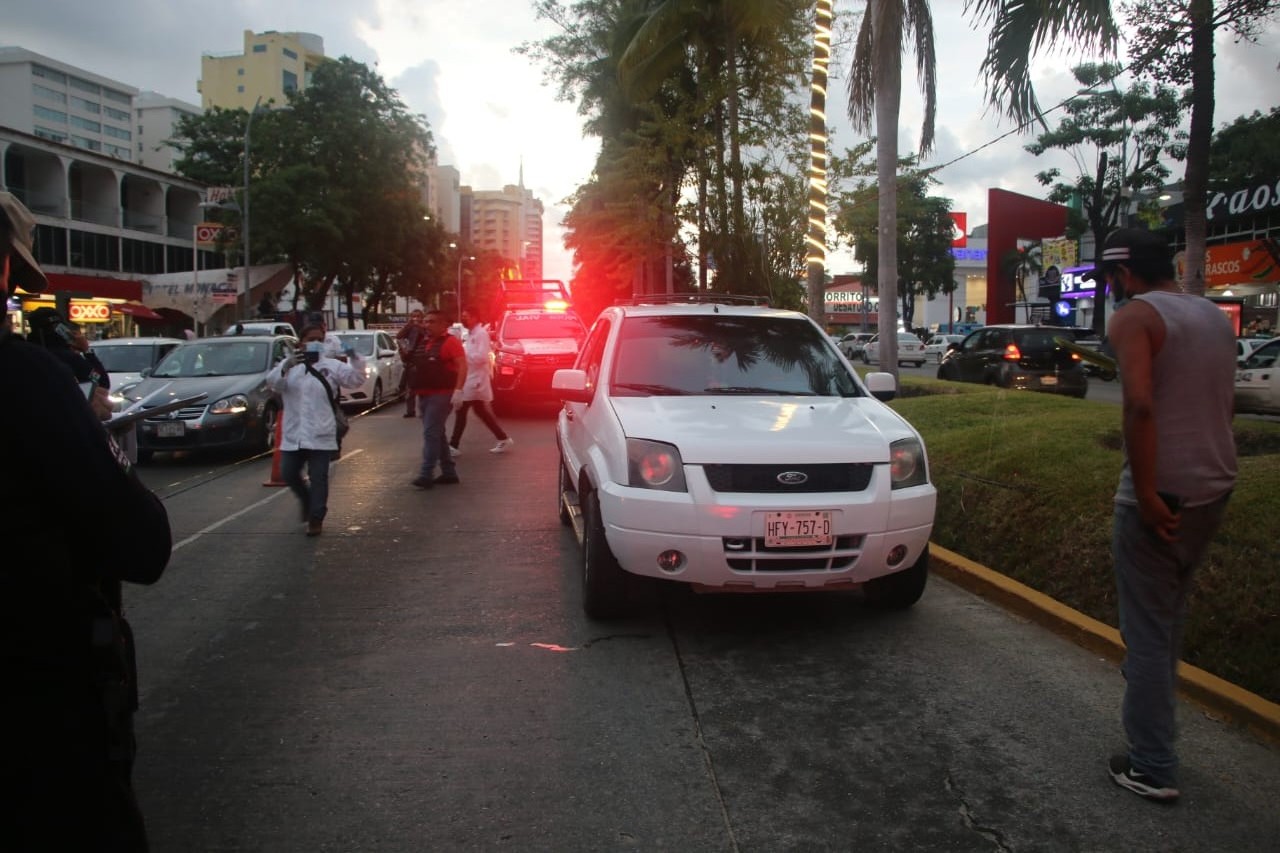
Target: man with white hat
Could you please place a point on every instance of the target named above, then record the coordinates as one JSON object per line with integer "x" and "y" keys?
{"x": 86, "y": 524}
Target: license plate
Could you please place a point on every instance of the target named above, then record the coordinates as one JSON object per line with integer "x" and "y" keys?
{"x": 1048, "y": 380}
{"x": 791, "y": 529}
{"x": 172, "y": 429}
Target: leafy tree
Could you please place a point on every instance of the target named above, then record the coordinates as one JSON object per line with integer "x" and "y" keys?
{"x": 875, "y": 85}
{"x": 1118, "y": 141}
{"x": 334, "y": 179}
{"x": 1245, "y": 151}
{"x": 1173, "y": 41}
{"x": 923, "y": 232}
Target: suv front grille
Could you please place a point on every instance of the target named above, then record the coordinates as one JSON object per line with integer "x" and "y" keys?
{"x": 751, "y": 555}
{"x": 821, "y": 477}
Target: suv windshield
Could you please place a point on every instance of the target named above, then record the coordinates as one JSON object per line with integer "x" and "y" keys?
{"x": 208, "y": 359}
{"x": 522, "y": 326}
{"x": 704, "y": 355}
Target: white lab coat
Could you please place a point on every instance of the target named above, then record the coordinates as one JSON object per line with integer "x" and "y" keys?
{"x": 477, "y": 385}
{"x": 308, "y": 415}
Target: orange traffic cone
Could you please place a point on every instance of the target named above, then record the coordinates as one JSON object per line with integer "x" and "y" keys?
{"x": 275, "y": 454}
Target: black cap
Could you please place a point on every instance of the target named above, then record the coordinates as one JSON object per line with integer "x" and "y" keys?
{"x": 1125, "y": 244}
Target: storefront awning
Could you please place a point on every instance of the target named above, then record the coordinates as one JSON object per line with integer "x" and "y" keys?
{"x": 99, "y": 287}
{"x": 136, "y": 310}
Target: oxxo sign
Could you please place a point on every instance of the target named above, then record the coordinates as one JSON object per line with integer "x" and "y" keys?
{"x": 80, "y": 311}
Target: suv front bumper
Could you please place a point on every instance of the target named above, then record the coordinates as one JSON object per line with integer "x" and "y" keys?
{"x": 721, "y": 535}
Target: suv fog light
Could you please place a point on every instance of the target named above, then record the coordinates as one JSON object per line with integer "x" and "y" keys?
{"x": 671, "y": 561}
{"x": 897, "y": 555}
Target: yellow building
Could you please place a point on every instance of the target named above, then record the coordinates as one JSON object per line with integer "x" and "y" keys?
{"x": 272, "y": 65}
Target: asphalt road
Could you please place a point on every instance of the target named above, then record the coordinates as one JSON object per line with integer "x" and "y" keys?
{"x": 421, "y": 678}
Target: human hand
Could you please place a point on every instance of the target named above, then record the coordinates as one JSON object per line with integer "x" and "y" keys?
{"x": 457, "y": 398}
{"x": 100, "y": 403}
{"x": 292, "y": 360}
{"x": 1158, "y": 514}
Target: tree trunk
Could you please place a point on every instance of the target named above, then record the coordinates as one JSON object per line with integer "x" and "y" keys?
{"x": 1195, "y": 183}
{"x": 888, "y": 88}
{"x": 817, "y": 237}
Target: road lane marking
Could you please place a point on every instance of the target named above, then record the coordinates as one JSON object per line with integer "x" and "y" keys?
{"x": 212, "y": 527}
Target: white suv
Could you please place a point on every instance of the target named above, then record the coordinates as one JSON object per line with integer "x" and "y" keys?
{"x": 732, "y": 447}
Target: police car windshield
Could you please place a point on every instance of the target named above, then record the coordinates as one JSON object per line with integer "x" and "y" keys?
{"x": 527, "y": 326}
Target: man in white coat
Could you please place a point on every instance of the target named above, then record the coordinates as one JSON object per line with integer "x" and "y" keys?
{"x": 477, "y": 393}
{"x": 308, "y": 382}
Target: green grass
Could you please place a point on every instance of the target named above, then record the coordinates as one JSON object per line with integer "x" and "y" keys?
{"x": 1025, "y": 486}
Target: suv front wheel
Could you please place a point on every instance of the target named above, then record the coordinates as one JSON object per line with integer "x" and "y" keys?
{"x": 604, "y": 583}
{"x": 901, "y": 589}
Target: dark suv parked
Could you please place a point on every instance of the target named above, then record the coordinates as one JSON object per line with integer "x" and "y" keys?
{"x": 1014, "y": 356}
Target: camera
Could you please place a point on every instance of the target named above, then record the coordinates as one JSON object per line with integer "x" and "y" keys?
{"x": 312, "y": 351}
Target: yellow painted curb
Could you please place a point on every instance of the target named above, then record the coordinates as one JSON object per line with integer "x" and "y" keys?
{"x": 1216, "y": 695}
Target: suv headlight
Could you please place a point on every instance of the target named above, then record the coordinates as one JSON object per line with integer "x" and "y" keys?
{"x": 654, "y": 465}
{"x": 906, "y": 464}
{"x": 234, "y": 405}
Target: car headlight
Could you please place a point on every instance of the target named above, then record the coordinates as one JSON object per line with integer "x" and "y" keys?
{"x": 237, "y": 404}
{"x": 906, "y": 464}
{"x": 654, "y": 465}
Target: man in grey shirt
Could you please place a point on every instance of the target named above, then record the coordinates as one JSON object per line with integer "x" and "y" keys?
{"x": 1176, "y": 354}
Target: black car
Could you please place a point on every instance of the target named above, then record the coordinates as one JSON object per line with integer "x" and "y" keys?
{"x": 1016, "y": 356}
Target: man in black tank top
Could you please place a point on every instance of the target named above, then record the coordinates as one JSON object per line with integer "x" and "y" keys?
{"x": 1176, "y": 354}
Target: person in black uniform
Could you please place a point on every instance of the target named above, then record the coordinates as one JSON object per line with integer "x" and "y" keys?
{"x": 80, "y": 523}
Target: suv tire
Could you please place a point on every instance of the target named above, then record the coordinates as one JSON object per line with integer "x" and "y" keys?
{"x": 901, "y": 589}
{"x": 604, "y": 589}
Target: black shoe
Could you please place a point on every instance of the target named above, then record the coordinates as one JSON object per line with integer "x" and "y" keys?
{"x": 448, "y": 479}
{"x": 1123, "y": 774}
{"x": 422, "y": 483}
{"x": 409, "y": 415}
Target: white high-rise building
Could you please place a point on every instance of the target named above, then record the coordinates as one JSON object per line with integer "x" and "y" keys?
{"x": 62, "y": 103}
{"x": 506, "y": 221}
{"x": 157, "y": 120}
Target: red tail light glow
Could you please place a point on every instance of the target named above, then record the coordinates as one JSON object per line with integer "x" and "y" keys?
{"x": 1012, "y": 353}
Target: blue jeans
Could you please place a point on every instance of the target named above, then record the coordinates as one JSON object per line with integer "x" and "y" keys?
{"x": 1153, "y": 578}
{"x": 434, "y": 409}
{"x": 315, "y": 497}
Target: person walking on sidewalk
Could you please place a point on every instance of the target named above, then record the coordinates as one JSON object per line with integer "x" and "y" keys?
{"x": 1176, "y": 355}
{"x": 440, "y": 371}
{"x": 410, "y": 337}
{"x": 477, "y": 393}
{"x": 308, "y": 382}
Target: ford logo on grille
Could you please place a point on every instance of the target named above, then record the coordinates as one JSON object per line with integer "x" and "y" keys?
{"x": 793, "y": 478}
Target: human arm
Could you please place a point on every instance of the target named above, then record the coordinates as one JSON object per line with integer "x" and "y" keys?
{"x": 457, "y": 357}
{"x": 1136, "y": 334}
{"x": 278, "y": 378}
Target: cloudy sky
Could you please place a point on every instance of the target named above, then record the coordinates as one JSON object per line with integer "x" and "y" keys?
{"x": 490, "y": 111}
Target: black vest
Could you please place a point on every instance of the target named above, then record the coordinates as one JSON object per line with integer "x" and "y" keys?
{"x": 430, "y": 371}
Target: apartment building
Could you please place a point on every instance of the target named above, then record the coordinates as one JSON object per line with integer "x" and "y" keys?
{"x": 272, "y": 65}
{"x": 157, "y": 118}
{"x": 506, "y": 221}
{"x": 59, "y": 102}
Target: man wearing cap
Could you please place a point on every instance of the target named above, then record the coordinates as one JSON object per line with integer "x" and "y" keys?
{"x": 84, "y": 524}
{"x": 1176, "y": 355}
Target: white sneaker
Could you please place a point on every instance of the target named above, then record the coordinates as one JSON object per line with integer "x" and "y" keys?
{"x": 501, "y": 446}
{"x": 453, "y": 451}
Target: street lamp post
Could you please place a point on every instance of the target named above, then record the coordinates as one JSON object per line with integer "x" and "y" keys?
{"x": 461, "y": 258}
{"x": 248, "y": 125}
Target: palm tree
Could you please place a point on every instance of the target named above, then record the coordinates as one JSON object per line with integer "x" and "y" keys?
{"x": 875, "y": 84}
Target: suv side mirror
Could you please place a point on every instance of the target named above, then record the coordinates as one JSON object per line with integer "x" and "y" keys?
{"x": 571, "y": 385}
{"x": 881, "y": 385}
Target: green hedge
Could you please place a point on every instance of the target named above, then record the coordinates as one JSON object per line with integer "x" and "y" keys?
{"x": 1025, "y": 485}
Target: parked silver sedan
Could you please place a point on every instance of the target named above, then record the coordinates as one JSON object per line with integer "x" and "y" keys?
{"x": 382, "y": 367}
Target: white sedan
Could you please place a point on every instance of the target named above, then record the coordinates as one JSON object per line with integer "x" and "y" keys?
{"x": 910, "y": 349}
{"x": 382, "y": 367}
{"x": 937, "y": 345}
{"x": 1258, "y": 380}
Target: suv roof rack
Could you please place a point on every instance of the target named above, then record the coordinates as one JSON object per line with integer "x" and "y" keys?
{"x": 692, "y": 298}
{"x": 532, "y": 293}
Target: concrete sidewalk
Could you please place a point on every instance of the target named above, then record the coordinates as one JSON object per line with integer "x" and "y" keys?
{"x": 1220, "y": 698}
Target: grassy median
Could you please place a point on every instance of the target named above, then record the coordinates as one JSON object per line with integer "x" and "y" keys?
{"x": 1025, "y": 485}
